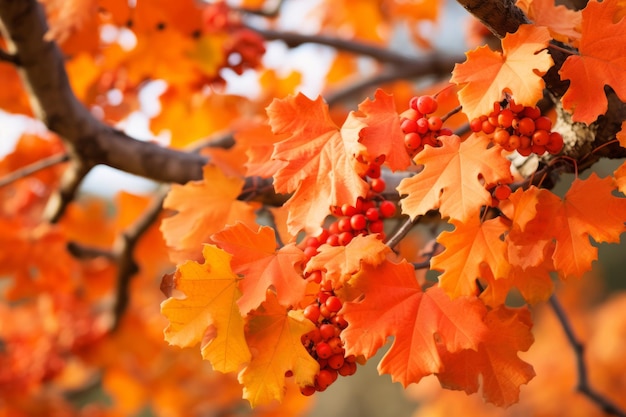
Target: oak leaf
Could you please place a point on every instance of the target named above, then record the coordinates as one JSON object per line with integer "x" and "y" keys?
{"x": 256, "y": 258}
{"x": 341, "y": 262}
{"x": 273, "y": 334}
{"x": 377, "y": 127}
{"x": 454, "y": 177}
{"x": 203, "y": 208}
{"x": 422, "y": 323}
{"x": 319, "y": 169}
{"x": 517, "y": 70}
{"x": 563, "y": 23}
{"x": 208, "y": 312}
{"x": 600, "y": 62}
{"x": 470, "y": 248}
{"x": 495, "y": 360}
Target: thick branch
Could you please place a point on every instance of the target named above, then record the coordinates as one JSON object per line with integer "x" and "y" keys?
{"x": 23, "y": 25}
{"x": 500, "y": 16}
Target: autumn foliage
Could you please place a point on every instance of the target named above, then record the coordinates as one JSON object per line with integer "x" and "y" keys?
{"x": 428, "y": 213}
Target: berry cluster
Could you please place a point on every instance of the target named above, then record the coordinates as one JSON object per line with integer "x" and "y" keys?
{"x": 419, "y": 128}
{"x": 323, "y": 342}
{"x": 521, "y": 128}
{"x": 365, "y": 217}
{"x": 243, "y": 48}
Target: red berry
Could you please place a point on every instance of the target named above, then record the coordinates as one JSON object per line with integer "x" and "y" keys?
{"x": 309, "y": 390}
{"x": 555, "y": 143}
{"x": 435, "y": 123}
{"x": 505, "y": 118}
{"x": 348, "y": 210}
{"x": 312, "y": 312}
{"x": 347, "y": 369}
{"x": 387, "y": 209}
{"x": 358, "y": 222}
{"x": 543, "y": 123}
{"x": 487, "y": 127}
{"x": 333, "y": 240}
{"x": 336, "y": 361}
{"x": 372, "y": 214}
{"x": 541, "y": 137}
{"x": 408, "y": 126}
{"x": 502, "y": 192}
{"x": 333, "y": 303}
{"x": 312, "y": 242}
{"x": 412, "y": 140}
{"x": 526, "y": 126}
{"x": 323, "y": 350}
{"x": 377, "y": 185}
{"x": 376, "y": 226}
{"x": 345, "y": 238}
{"x": 327, "y": 331}
{"x": 426, "y": 104}
{"x": 339, "y": 321}
{"x": 325, "y": 378}
{"x": 344, "y": 224}
{"x": 422, "y": 125}
{"x": 476, "y": 125}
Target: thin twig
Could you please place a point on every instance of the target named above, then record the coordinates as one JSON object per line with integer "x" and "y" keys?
{"x": 123, "y": 249}
{"x": 33, "y": 168}
{"x": 402, "y": 231}
{"x": 583, "y": 382}
{"x": 294, "y": 39}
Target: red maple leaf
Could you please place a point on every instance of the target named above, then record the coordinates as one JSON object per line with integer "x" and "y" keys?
{"x": 601, "y": 61}
{"x": 421, "y": 323}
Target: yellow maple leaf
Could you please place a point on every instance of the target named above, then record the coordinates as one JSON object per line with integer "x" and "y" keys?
{"x": 208, "y": 313}
{"x": 273, "y": 334}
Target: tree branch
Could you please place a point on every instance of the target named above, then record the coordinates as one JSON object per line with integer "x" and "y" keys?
{"x": 500, "y": 16}
{"x": 123, "y": 249}
{"x": 583, "y": 382}
{"x": 33, "y": 168}
{"x": 293, "y": 39}
{"x": 23, "y": 25}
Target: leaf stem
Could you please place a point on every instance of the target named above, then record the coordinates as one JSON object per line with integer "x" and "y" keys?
{"x": 583, "y": 382}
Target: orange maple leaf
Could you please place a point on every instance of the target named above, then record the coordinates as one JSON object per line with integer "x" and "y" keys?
{"x": 601, "y": 61}
{"x": 393, "y": 304}
{"x": 495, "y": 359}
{"x": 531, "y": 214}
{"x": 203, "y": 208}
{"x": 579, "y": 218}
{"x": 341, "y": 262}
{"x": 262, "y": 266}
{"x": 470, "y": 248}
{"x": 208, "y": 312}
{"x": 563, "y": 23}
{"x": 533, "y": 283}
{"x": 273, "y": 334}
{"x": 319, "y": 169}
{"x": 517, "y": 70}
{"x": 258, "y": 140}
{"x": 454, "y": 177}
{"x": 377, "y": 128}
{"x": 620, "y": 178}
